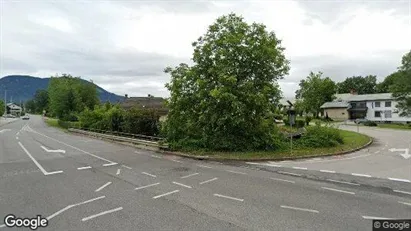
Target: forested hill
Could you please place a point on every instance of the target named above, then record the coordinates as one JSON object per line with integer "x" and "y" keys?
{"x": 23, "y": 87}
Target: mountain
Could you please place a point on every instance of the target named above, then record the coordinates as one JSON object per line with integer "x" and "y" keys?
{"x": 23, "y": 87}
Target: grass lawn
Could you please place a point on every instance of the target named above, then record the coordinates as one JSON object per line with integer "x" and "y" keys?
{"x": 352, "y": 140}
{"x": 395, "y": 126}
{"x": 53, "y": 123}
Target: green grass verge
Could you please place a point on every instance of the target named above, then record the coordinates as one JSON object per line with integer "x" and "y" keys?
{"x": 352, "y": 140}
{"x": 53, "y": 123}
{"x": 395, "y": 126}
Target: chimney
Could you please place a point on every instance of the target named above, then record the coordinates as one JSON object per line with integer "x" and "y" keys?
{"x": 353, "y": 92}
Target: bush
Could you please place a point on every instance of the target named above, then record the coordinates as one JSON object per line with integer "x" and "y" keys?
{"x": 299, "y": 123}
{"x": 320, "y": 136}
{"x": 370, "y": 123}
{"x": 308, "y": 120}
{"x": 278, "y": 117}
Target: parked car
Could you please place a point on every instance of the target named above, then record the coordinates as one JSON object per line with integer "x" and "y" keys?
{"x": 361, "y": 121}
{"x": 26, "y": 117}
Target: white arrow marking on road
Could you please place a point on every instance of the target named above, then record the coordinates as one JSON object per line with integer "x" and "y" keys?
{"x": 406, "y": 151}
{"x": 58, "y": 150}
{"x": 5, "y": 130}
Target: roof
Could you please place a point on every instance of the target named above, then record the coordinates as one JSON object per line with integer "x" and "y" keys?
{"x": 335, "y": 104}
{"x": 13, "y": 106}
{"x": 365, "y": 97}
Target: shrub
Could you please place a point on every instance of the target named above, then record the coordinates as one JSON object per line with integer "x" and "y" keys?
{"x": 286, "y": 122}
{"x": 278, "y": 116}
{"x": 320, "y": 136}
{"x": 299, "y": 123}
{"x": 308, "y": 120}
{"x": 370, "y": 123}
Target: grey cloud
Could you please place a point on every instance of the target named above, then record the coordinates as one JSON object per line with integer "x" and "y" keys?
{"x": 190, "y": 7}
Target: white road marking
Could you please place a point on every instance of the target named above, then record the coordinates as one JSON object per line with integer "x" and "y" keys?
{"x": 301, "y": 168}
{"x": 377, "y": 218}
{"x": 343, "y": 182}
{"x": 58, "y": 150}
{"x": 68, "y": 145}
{"x": 404, "y": 203}
{"x": 337, "y": 190}
{"x": 278, "y": 179}
{"x": 73, "y": 205}
{"x": 176, "y": 161}
{"x": 232, "y": 198}
{"x": 377, "y": 151}
{"x": 328, "y": 171}
{"x": 17, "y": 138}
{"x": 190, "y": 175}
{"x": 125, "y": 166}
{"x": 332, "y": 160}
{"x": 102, "y": 213}
{"x": 181, "y": 184}
{"x": 4, "y": 130}
{"x": 147, "y": 186}
{"x": 148, "y": 174}
{"x": 273, "y": 165}
{"x": 299, "y": 209}
{"x": 86, "y": 167}
{"x": 207, "y": 181}
{"x": 404, "y": 192}
{"x": 37, "y": 163}
{"x": 243, "y": 173}
{"x": 158, "y": 157}
{"x": 165, "y": 194}
{"x": 110, "y": 164}
{"x": 118, "y": 171}
{"x": 289, "y": 173}
{"x": 203, "y": 166}
{"x": 105, "y": 185}
{"x": 398, "y": 179}
{"x": 18, "y": 133}
{"x": 359, "y": 174}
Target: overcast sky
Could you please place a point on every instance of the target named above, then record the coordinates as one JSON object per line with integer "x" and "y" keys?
{"x": 123, "y": 46}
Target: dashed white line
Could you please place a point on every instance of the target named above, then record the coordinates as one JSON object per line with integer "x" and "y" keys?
{"x": 190, "y": 175}
{"x": 158, "y": 157}
{"x": 301, "y": 168}
{"x": 228, "y": 197}
{"x": 82, "y": 168}
{"x": 176, "y": 161}
{"x": 207, "y": 181}
{"x": 398, "y": 179}
{"x": 147, "y": 186}
{"x": 328, "y": 171}
{"x": 290, "y": 173}
{"x": 165, "y": 194}
{"x": 273, "y": 165}
{"x": 278, "y": 179}
{"x": 102, "y": 213}
{"x": 360, "y": 174}
{"x": 377, "y": 218}
{"x": 125, "y": 166}
{"x": 243, "y": 173}
{"x": 110, "y": 164}
{"x": 337, "y": 190}
{"x": 404, "y": 203}
{"x": 118, "y": 171}
{"x": 203, "y": 166}
{"x": 377, "y": 151}
{"x": 181, "y": 184}
{"x": 403, "y": 192}
{"x": 17, "y": 138}
{"x": 148, "y": 174}
{"x": 73, "y": 205}
{"x": 299, "y": 209}
{"x": 343, "y": 182}
{"x": 105, "y": 185}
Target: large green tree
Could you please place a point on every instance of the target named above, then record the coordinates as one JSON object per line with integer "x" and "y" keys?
{"x": 385, "y": 85}
{"x": 315, "y": 91}
{"x": 70, "y": 95}
{"x": 401, "y": 89}
{"x": 359, "y": 84}
{"x": 226, "y": 100}
{"x": 41, "y": 100}
{"x": 2, "y": 107}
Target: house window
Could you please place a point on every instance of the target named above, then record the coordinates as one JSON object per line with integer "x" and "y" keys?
{"x": 377, "y": 104}
{"x": 387, "y": 114}
{"x": 388, "y": 104}
{"x": 377, "y": 114}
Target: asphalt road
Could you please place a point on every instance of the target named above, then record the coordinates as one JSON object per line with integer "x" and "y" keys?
{"x": 80, "y": 183}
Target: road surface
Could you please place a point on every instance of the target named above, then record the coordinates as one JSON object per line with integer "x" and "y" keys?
{"x": 80, "y": 183}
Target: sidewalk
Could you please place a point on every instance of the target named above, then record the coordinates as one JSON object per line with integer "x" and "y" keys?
{"x": 4, "y": 121}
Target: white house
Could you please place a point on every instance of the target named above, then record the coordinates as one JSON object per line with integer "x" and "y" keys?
{"x": 374, "y": 107}
{"x": 13, "y": 109}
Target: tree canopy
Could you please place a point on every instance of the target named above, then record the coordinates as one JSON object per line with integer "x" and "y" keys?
{"x": 2, "y": 107}
{"x": 315, "y": 91}
{"x": 359, "y": 84}
{"x": 401, "y": 88}
{"x": 225, "y": 101}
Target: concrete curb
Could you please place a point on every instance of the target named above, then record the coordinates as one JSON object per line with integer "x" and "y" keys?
{"x": 185, "y": 155}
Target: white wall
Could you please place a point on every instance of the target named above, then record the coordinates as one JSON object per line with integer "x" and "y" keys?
{"x": 394, "y": 116}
